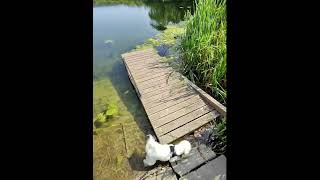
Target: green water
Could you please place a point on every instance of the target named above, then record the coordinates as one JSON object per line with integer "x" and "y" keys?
{"x": 118, "y": 27}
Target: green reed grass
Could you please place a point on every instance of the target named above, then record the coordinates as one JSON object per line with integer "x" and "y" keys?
{"x": 203, "y": 47}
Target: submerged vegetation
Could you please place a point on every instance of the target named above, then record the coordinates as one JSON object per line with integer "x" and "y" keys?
{"x": 167, "y": 37}
{"x": 110, "y": 111}
{"x": 203, "y": 47}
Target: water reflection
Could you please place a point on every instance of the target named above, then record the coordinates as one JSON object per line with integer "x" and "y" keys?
{"x": 162, "y": 12}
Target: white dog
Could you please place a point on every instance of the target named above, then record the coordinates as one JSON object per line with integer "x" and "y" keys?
{"x": 164, "y": 152}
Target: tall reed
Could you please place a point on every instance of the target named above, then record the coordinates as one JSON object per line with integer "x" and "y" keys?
{"x": 203, "y": 47}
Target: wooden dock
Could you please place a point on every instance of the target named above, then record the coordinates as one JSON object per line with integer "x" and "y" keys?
{"x": 174, "y": 105}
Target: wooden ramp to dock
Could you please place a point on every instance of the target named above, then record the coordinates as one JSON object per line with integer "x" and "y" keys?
{"x": 173, "y": 106}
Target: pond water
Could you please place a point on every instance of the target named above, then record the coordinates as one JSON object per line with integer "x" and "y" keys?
{"x": 118, "y": 26}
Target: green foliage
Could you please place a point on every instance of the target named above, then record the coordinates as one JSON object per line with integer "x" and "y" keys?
{"x": 219, "y": 137}
{"x": 105, "y": 116}
{"x": 203, "y": 47}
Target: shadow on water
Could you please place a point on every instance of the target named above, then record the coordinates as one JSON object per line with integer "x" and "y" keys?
{"x": 120, "y": 80}
{"x": 129, "y": 97}
{"x": 136, "y": 162}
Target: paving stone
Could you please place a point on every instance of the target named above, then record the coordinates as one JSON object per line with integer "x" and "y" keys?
{"x": 198, "y": 155}
{"x": 165, "y": 174}
{"x": 213, "y": 170}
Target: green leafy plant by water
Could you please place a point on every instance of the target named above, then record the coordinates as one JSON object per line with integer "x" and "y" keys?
{"x": 112, "y": 109}
{"x": 220, "y": 136}
{"x": 203, "y": 47}
{"x": 101, "y": 117}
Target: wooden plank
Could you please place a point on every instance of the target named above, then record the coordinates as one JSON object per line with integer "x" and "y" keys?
{"x": 160, "y": 105}
{"x": 152, "y": 74}
{"x": 214, "y": 170}
{"x": 137, "y": 53}
{"x": 192, "y": 106}
{"x": 152, "y": 61}
{"x": 198, "y": 156}
{"x": 172, "y": 109}
{"x": 149, "y": 65}
{"x": 187, "y": 128}
{"x": 168, "y": 88}
{"x": 156, "y": 81}
{"x": 134, "y": 67}
{"x": 162, "y": 130}
{"x": 134, "y": 52}
{"x": 148, "y": 80}
{"x": 164, "y": 94}
{"x": 166, "y": 173}
{"x": 172, "y": 100}
{"x": 152, "y": 69}
{"x": 141, "y": 56}
{"x": 132, "y": 80}
{"x": 143, "y": 61}
{"x": 214, "y": 103}
{"x": 157, "y": 87}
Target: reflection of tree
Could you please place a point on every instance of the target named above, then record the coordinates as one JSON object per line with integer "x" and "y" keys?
{"x": 162, "y": 12}
{"x": 115, "y": 2}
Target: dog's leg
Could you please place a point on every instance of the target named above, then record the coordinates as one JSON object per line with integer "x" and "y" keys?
{"x": 149, "y": 161}
{"x": 174, "y": 159}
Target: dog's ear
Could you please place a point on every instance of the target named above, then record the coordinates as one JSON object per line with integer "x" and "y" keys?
{"x": 148, "y": 136}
